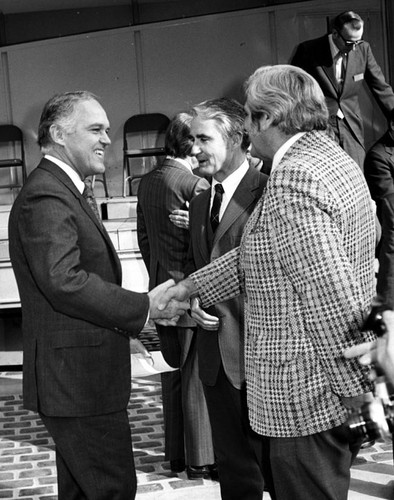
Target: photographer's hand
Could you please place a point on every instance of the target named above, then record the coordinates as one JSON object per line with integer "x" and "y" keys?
{"x": 379, "y": 352}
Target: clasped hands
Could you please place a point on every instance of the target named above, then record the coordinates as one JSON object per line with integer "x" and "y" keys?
{"x": 169, "y": 301}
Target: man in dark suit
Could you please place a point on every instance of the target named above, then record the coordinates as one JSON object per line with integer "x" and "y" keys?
{"x": 379, "y": 173}
{"x": 379, "y": 167}
{"x": 77, "y": 319}
{"x": 220, "y": 146}
{"x": 341, "y": 62}
{"x": 164, "y": 246}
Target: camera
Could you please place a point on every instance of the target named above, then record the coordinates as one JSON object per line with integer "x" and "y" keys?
{"x": 375, "y": 419}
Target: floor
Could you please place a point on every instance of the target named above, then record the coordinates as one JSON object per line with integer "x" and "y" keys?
{"x": 27, "y": 458}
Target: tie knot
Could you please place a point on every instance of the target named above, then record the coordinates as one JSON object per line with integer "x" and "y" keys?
{"x": 88, "y": 191}
{"x": 219, "y": 188}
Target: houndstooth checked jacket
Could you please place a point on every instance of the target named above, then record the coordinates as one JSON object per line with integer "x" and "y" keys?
{"x": 305, "y": 264}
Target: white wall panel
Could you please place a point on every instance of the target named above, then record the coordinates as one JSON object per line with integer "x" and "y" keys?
{"x": 103, "y": 63}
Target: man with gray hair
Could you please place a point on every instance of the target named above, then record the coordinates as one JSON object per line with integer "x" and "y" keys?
{"x": 220, "y": 144}
{"x": 306, "y": 267}
{"x": 341, "y": 62}
{"x": 77, "y": 319}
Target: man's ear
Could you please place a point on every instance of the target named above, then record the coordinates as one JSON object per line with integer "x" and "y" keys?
{"x": 57, "y": 134}
{"x": 264, "y": 122}
{"x": 236, "y": 140}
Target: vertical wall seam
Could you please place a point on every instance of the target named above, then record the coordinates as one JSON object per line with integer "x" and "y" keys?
{"x": 273, "y": 41}
{"x": 6, "y": 86}
{"x": 140, "y": 71}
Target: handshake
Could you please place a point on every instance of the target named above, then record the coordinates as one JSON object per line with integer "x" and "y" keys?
{"x": 169, "y": 301}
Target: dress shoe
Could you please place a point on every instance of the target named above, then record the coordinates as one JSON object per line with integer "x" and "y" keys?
{"x": 178, "y": 465}
{"x": 202, "y": 471}
{"x": 213, "y": 472}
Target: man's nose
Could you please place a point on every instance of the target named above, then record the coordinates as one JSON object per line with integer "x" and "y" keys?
{"x": 195, "y": 149}
{"x": 105, "y": 138}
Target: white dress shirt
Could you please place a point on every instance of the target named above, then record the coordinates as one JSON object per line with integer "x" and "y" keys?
{"x": 229, "y": 184}
{"x": 74, "y": 176}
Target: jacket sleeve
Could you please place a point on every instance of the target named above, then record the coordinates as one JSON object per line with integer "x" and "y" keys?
{"x": 377, "y": 84}
{"x": 379, "y": 172}
{"x": 142, "y": 237}
{"x": 220, "y": 280}
{"x": 385, "y": 284}
{"x": 73, "y": 265}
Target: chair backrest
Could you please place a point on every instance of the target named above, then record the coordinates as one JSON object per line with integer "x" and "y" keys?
{"x": 12, "y": 154}
{"x": 154, "y": 124}
{"x": 10, "y": 133}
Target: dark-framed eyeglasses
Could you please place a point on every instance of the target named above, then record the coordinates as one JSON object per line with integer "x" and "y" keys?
{"x": 350, "y": 43}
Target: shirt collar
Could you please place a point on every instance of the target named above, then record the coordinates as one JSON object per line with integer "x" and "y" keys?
{"x": 283, "y": 149}
{"x": 231, "y": 182}
{"x": 184, "y": 162}
{"x": 74, "y": 176}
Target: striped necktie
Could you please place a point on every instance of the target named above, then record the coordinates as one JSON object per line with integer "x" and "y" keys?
{"x": 91, "y": 200}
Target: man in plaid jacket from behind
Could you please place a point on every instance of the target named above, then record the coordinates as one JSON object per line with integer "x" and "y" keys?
{"x": 305, "y": 265}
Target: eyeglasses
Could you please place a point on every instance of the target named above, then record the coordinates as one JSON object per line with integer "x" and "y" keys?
{"x": 349, "y": 43}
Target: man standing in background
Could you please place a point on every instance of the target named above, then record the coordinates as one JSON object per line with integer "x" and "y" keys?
{"x": 341, "y": 62}
{"x": 163, "y": 246}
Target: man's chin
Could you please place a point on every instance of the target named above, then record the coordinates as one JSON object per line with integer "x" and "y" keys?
{"x": 98, "y": 169}
{"x": 205, "y": 170}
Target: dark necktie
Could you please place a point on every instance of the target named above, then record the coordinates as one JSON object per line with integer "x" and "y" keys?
{"x": 89, "y": 197}
{"x": 343, "y": 70}
{"x": 217, "y": 201}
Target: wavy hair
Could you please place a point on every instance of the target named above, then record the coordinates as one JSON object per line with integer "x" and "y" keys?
{"x": 229, "y": 115}
{"x": 177, "y": 139}
{"x": 289, "y": 96}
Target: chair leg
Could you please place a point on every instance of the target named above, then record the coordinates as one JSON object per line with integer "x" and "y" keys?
{"x": 126, "y": 175}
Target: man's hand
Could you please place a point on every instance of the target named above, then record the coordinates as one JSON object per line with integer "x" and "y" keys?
{"x": 165, "y": 306}
{"x": 204, "y": 319}
{"x": 180, "y": 218}
{"x": 181, "y": 292}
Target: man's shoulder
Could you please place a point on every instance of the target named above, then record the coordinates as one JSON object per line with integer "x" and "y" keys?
{"x": 254, "y": 178}
{"x": 200, "y": 199}
{"x": 315, "y": 43}
{"x": 384, "y": 145}
{"x": 312, "y": 52}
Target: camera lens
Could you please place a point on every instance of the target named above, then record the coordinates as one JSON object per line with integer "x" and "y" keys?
{"x": 361, "y": 425}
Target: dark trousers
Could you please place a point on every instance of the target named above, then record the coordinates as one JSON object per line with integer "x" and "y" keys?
{"x": 187, "y": 430}
{"x": 349, "y": 143}
{"x": 94, "y": 457}
{"x": 315, "y": 467}
{"x": 173, "y": 415}
{"x": 237, "y": 447}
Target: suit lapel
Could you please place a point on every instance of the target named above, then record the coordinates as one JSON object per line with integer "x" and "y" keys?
{"x": 201, "y": 211}
{"x": 62, "y": 177}
{"x": 327, "y": 63}
{"x": 242, "y": 198}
